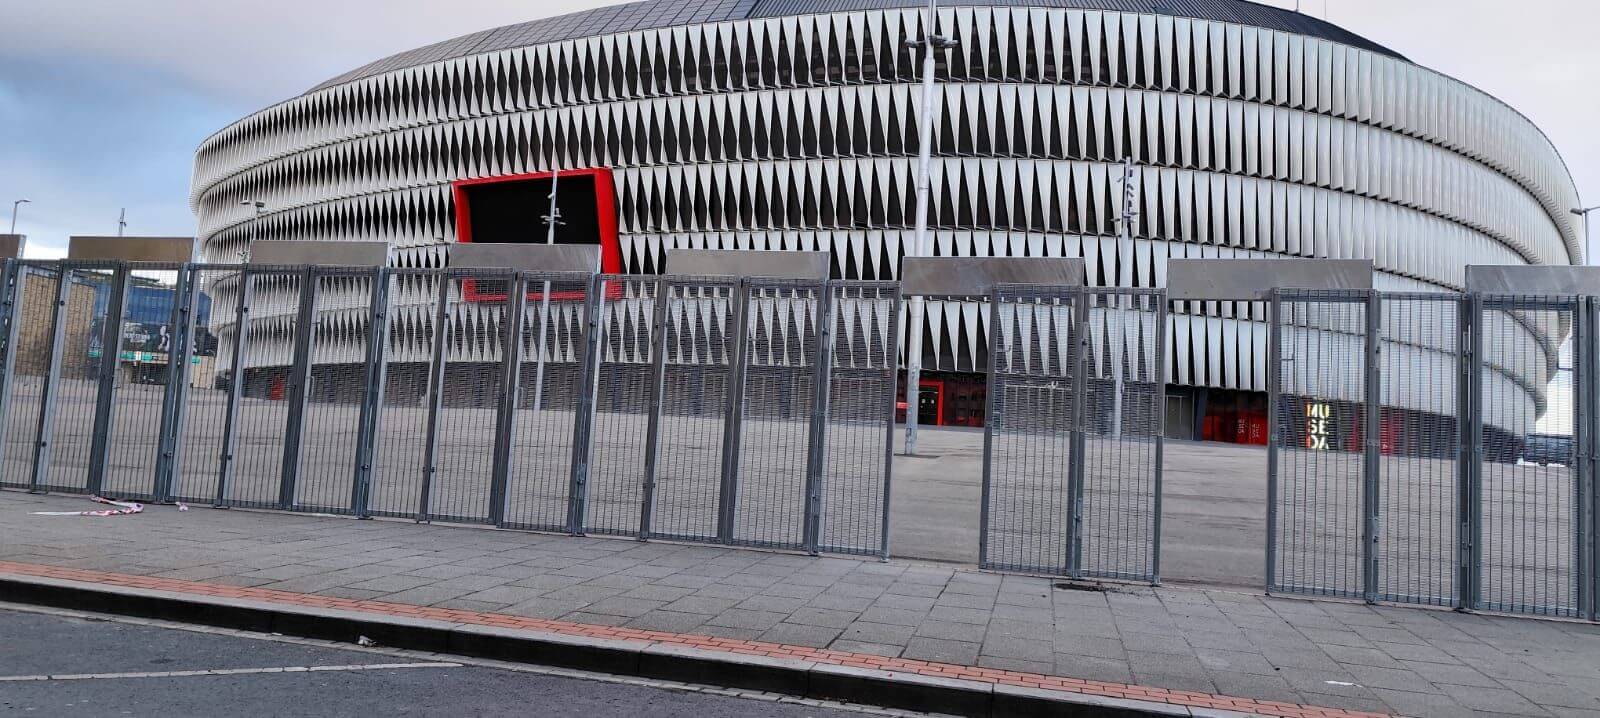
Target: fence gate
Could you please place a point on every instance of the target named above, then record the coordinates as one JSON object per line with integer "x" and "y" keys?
{"x": 626, "y": 404}
{"x": 28, "y": 358}
{"x": 857, "y": 446}
{"x": 1530, "y": 533}
{"x": 144, "y": 362}
{"x": 1322, "y": 371}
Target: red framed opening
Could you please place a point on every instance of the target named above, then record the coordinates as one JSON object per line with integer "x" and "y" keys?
{"x": 935, "y": 387}
{"x": 510, "y": 209}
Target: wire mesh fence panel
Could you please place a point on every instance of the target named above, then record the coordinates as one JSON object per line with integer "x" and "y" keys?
{"x": 204, "y": 414}
{"x": 860, "y": 422}
{"x": 696, "y": 371}
{"x": 781, "y": 352}
{"x": 1420, "y": 445}
{"x": 549, "y": 393}
{"x": 1530, "y": 533}
{"x": 400, "y": 447}
{"x": 143, "y": 354}
{"x": 1317, "y": 510}
{"x": 1123, "y": 414}
{"x": 267, "y": 345}
{"x": 470, "y": 384}
{"x": 81, "y": 356}
{"x": 1029, "y": 442}
{"x": 34, "y": 314}
{"x": 333, "y": 387}
{"x": 622, "y": 405}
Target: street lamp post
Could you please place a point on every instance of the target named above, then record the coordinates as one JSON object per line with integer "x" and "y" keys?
{"x": 1588, "y": 256}
{"x": 260, "y": 208}
{"x": 14, "y": 206}
{"x": 552, "y": 220}
{"x": 919, "y": 247}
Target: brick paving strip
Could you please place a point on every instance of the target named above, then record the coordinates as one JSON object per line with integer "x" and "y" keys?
{"x": 1133, "y": 695}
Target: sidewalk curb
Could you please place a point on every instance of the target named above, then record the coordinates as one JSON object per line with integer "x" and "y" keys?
{"x": 796, "y": 677}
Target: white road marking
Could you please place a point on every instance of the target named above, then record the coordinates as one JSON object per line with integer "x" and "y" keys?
{"x": 225, "y": 672}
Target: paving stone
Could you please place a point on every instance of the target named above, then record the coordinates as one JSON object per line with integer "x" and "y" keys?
{"x": 1014, "y": 664}
{"x": 776, "y": 604}
{"x": 1421, "y": 705}
{"x": 671, "y": 621}
{"x": 1397, "y": 679}
{"x": 797, "y": 634}
{"x": 1092, "y": 668}
{"x": 1236, "y": 662}
{"x": 1259, "y": 687}
{"x": 628, "y": 607}
{"x": 934, "y": 649}
{"x": 543, "y": 608}
{"x": 876, "y": 649}
{"x": 876, "y": 614}
{"x": 837, "y": 602}
{"x": 504, "y": 595}
{"x": 809, "y": 616}
{"x": 952, "y": 631}
{"x": 1440, "y": 673}
{"x": 976, "y": 616}
{"x": 701, "y": 604}
{"x": 393, "y": 583}
{"x": 1552, "y": 695}
{"x": 1000, "y": 646}
{"x": 880, "y": 633}
{"x": 741, "y": 618}
{"x": 1497, "y": 700}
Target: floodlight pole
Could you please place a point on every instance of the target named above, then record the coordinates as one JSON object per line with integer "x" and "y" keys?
{"x": 14, "y": 207}
{"x": 1130, "y": 210}
{"x": 552, "y": 219}
{"x": 919, "y": 247}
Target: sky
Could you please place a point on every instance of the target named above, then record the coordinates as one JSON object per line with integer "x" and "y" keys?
{"x": 102, "y": 103}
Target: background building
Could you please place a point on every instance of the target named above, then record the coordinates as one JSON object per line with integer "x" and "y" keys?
{"x": 781, "y": 124}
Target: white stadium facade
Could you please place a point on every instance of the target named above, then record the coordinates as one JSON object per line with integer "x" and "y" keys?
{"x": 1253, "y": 131}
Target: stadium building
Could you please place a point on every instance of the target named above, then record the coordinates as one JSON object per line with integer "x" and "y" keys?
{"x": 791, "y": 124}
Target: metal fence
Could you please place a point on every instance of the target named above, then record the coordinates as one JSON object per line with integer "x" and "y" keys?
{"x": 1073, "y": 439}
{"x": 1406, "y": 463}
{"x": 750, "y": 412}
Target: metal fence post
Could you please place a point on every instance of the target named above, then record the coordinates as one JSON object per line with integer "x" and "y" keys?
{"x": 817, "y": 437}
{"x": 510, "y": 388}
{"x": 374, "y": 379}
{"x": 583, "y": 421}
{"x": 733, "y": 416}
{"x": 430, "y": 451}
{"x": 1160, "y": 380}
{"x": 891, "y": 400}
{"x": 1588, "y": 434}
{"x": 1467, "y": 449}
{"x": 52, "y": 377}
{"x": 1373, "y": 450}
{"x": 106, "y": 381}
{"x": 1080, "y": 301}
{"x": 1274, "y": 431}
{"x": 298, "y": 389}
{"x": 179, "y": 355}
{"x": 658, "y": 372}
{"x": 10, "y": 290}
{"x": 230, "y": 424}
{"x": 1474, "y": 549}
{"x": 1590, "y": 401}
{"x": 991, "y": 422}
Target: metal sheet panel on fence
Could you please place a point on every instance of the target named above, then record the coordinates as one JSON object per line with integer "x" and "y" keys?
{"x": 549, "y": 400}
{"x": 1531, "y": 532}
{"x": 625, "y": 400}
{"x": 1119, "y": 506}
{"x": 1031, "y": 435}
{"x": 697, "y": 371}
{"x": 858, "y": 439}
{"x": 1316, "y": 464}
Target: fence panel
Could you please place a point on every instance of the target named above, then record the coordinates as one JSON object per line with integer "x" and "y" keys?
{"x": 144, "y": 356}
{"x": 858, "y": 443}
{"x": 1031, "y": 433}
{"x": 1419, "y": 470}
{"x": 72, "y": 385}
{"x": 625, "y": 400}
{"x": 1316, "y": 465}
{"x": 696, "y": 371}
{"x": 549, "y": 396}
{"x": 199, "y": 420}
{"x": 414, "y": 335}
{"x": 781, "y": 355}
{"x": 469, "y": 375}
{"x": 28, "y": 360}
{"x": 1119, "y": 508}
{"x": 264, "y": 346}
{"x": 332, "y": 387}
{"x": 1531, "y": 531}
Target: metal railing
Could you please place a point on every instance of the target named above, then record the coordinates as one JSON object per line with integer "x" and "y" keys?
{"x": 710, "y": 409}
{"x": 1406, "y": 462}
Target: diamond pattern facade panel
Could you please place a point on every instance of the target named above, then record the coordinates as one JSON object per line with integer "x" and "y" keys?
{"x": 791, "y": 124}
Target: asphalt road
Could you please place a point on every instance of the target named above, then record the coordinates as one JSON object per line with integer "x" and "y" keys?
{"x": 351, "y": 682}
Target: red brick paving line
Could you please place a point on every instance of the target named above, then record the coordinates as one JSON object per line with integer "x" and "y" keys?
{"x": 727, "y": 645}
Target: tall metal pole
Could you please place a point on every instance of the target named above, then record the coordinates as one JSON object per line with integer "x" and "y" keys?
{"x": 552, "y": 219}
{"x": 1588, "y": 256}
{"x": 14, "y": 207}
{"x": 919, "y": 246}
{"x": 1124, "y": 278}
{"x": 122, "y": 221}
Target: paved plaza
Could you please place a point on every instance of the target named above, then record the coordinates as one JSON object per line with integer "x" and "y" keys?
{"x": 1231, "y": 642}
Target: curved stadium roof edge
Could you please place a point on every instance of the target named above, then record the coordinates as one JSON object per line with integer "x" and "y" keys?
{"x": 655, "y": 14}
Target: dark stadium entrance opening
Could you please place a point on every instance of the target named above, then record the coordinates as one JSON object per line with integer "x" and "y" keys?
{"x": 514, "y": 209}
